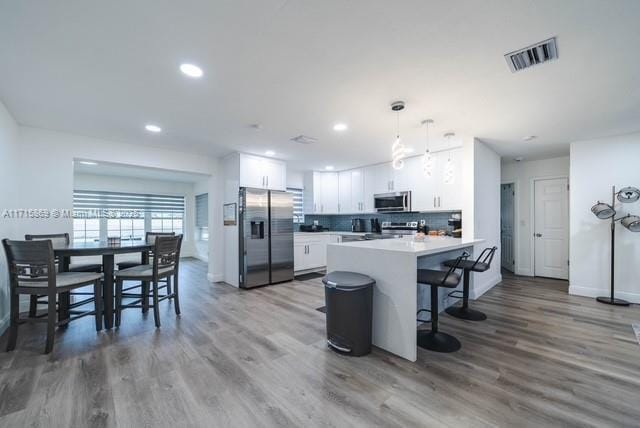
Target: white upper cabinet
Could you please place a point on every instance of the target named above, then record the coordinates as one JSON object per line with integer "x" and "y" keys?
{"x": 357, "y": 191}
{"x": 262, "y": 173}
{"x": 330, "y": 193}
{"x": 449, "y": 179}
{"x": 344, "y": 192}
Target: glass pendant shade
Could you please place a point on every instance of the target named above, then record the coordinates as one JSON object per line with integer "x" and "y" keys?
{"x": 397, "y": 154}
{"x": 449, "y": 172}
{"x": 631, "y": 222}
{"x": 628, "y": 195}
{"x": 603, "y": 211}
{"x": 427, "y": 164}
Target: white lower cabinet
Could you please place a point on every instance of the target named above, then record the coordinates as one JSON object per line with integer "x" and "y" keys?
{"x": 310, "y": 251}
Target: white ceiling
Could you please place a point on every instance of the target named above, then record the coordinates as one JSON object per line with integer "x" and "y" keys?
{"x": 104, "y": 69}
{"x": 128, "y": 171}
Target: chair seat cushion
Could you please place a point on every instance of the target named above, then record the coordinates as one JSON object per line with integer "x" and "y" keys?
{"x": 435, "y": 277}
{"x": 85, "y": 267}
{"x": 141, "y": 271}
{"x": 65, "y": 279}
{"x": 468, "y": 264}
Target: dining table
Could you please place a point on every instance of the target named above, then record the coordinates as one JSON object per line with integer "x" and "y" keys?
{"x": 108, "y": 250}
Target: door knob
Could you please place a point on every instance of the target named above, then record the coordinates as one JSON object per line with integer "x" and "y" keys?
{"x": 538, "y": 235}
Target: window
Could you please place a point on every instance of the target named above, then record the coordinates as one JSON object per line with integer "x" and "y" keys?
{"x": 99, "y": 215}
{"x": 298, "y": 207}
{"x": 202, "y": 216}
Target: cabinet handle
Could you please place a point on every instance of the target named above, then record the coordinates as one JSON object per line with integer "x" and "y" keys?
{"x": 321, "y": 208}
{"x": 438, "y": 201}
{"x": 338, "y": 207}
{"x": 267, "y": 181}
{"x": 434, "y": 202}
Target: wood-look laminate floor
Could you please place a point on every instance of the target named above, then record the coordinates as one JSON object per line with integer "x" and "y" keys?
{"x": 258, "y": 358}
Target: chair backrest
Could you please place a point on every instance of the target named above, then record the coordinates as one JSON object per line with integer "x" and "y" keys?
{"x": 166, "y": 253}
{"x": 30, "y": 262}
{"x": 453, "y": 268}
{"x": 486, "y": 256}
{"x": 57, "y": 239}
{"x": 150, "y": 237}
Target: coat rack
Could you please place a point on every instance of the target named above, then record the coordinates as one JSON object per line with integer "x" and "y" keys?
{"x": 605, "y": 211}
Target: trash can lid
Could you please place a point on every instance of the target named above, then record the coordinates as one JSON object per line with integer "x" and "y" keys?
{"x": 347, "y": 281}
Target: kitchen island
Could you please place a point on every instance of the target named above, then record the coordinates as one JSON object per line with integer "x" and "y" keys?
{"x": 393, "y": 263}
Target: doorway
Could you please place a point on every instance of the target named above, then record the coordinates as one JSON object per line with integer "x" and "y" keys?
{"x": 551, "y": 227}
{"x": 507, "y": 215}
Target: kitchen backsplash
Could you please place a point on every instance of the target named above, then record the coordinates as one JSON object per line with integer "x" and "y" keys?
{"x": 342, "y": 223}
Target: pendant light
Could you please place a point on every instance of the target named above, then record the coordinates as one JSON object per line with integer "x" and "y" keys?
{"x": 427, "y": 159}
{"x": 397, "y": 149}
{"x": 449, "y": 172}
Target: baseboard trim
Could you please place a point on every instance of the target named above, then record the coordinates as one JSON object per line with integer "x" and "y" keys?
{"x": 523, "y": 272}
{"x": 479, "y": 289}
{"x": 201, "y": 258}
{"x": 215, "y": 278}
{"x": 576, "y": 290}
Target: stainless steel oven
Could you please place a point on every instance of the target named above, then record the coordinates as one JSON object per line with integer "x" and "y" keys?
{"x": 392, "y": 202}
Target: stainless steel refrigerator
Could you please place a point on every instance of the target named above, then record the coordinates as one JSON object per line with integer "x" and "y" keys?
{"x": 266, "y": 237}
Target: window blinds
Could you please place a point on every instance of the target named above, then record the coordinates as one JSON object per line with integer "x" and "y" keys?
{"x": 101, "y": 200}
{"x": 202, "y": 210}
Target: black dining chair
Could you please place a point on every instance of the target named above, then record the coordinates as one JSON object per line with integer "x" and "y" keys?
{"x": 61, "y": 240}
{"x": 435, "y": 340}
{"x": 32, "y": 271}
{"x": 166, "y": 261}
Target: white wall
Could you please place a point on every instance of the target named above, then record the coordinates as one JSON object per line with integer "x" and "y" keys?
{"x": 486, "y": 214}
{"x": 46, "y": 181}
{"x": 295, "y": 179}
{"x": 8, "y": 181}
{"x": 522, "y": 175}
{"x": 83, "y": 181}
{"x": 597, "y": 165}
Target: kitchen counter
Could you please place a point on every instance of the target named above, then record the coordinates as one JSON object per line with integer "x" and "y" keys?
{"x": 332, "y": 232}
{"x": 394, "y": 263}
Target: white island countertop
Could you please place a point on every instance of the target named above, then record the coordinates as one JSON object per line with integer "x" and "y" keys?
{"x": 430, "y": 245}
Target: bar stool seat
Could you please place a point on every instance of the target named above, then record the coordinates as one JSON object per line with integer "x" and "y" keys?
{"x": 481, "y": 264}
{"x": 433, "y": 339}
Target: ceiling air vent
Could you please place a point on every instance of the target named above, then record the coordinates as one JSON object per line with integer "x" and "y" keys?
{"x": 532, "y": 55}
{"x": 303, "y": 139}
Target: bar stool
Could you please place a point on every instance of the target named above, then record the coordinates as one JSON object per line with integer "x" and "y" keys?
{"x": 481, "y": 264}
{"x": 433, "y": 339}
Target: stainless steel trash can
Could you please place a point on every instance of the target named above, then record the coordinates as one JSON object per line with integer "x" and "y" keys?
{"x": 349, "y": 306}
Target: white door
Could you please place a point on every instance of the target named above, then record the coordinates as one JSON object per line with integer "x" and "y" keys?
{"x": 506, "y": 226}
{"x": 344, "y": 192}
{"x": 551, "y": 228}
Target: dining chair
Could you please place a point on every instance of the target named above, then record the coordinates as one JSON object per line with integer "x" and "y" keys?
{"x": 150, "y": 238}
{"x": 61, "y": 240}
{"x": 165, "y": 264}
{"x": 32, "y": 271}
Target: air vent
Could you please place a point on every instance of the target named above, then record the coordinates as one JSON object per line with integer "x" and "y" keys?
{"x": 303, "y": 139}
{"x": 532, "y": 55}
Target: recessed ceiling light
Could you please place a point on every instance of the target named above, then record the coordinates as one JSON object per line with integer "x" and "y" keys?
{"x": 270, "y": 153}
{"x": 329, "y": 167}
{"x": 88, "y": 163}
{"x": 191, "y": 70}
{"x": 529, "y": 137}
{"x": 340, "y": 127}
{"x": 153, "y": 128}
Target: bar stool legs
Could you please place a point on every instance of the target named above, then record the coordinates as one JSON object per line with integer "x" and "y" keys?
{"x": 433, "y": 339}
{"x": 465, "y": 312}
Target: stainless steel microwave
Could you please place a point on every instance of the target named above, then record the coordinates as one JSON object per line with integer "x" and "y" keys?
{"x": 392, "y": 202}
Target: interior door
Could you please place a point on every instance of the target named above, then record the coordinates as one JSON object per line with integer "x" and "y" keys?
{"x": 507, "y": 226}
{"x": 255, "y": 238}
{"x": 551, "y": 228}
{"x": 281, "y": 229}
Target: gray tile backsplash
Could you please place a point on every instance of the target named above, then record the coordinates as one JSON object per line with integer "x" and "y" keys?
{"x": 342, "y": 222}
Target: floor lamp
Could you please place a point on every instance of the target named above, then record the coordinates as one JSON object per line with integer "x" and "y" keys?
{"x": 605, "y": 211}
